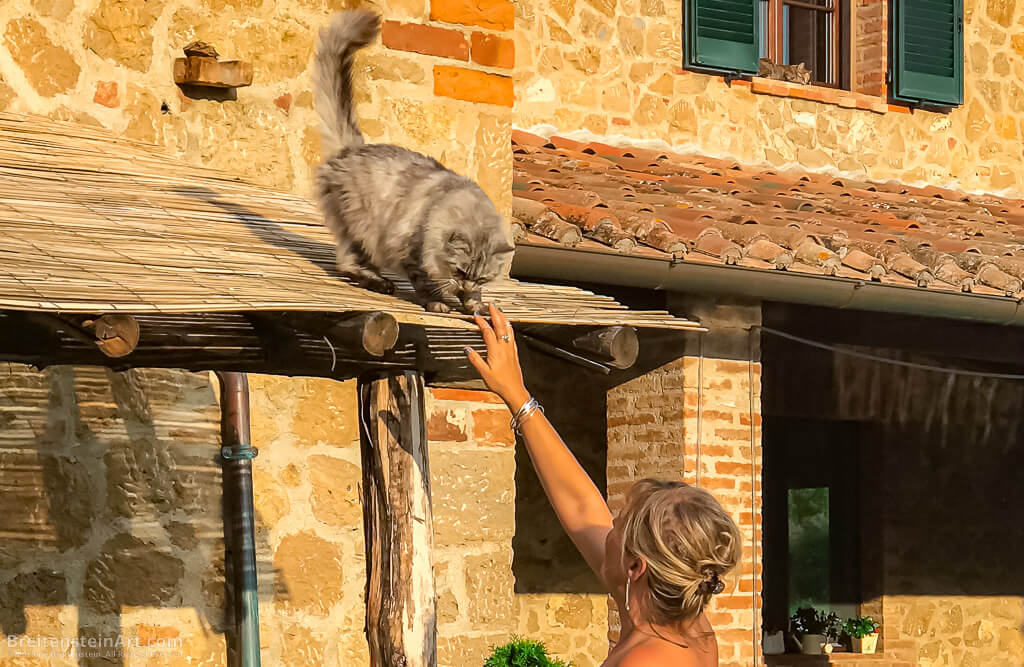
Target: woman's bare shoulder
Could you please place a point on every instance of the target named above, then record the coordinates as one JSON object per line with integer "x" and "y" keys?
{"x": 660, "y": 653}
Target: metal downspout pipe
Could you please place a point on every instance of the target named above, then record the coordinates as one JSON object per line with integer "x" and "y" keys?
{"x": 236, "y": 457}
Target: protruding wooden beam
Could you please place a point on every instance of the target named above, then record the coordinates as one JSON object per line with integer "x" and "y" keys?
{"x": 375, "y": 332}
{"x": 617, "y": 346}
{"x": 117, "y": 334}
{"x": 401, "y": 611}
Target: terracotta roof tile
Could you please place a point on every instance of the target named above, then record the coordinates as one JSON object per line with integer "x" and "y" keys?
{"x": 711, "y": 211}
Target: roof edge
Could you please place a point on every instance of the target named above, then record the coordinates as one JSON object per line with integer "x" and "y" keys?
{"x": 552, "y": 263}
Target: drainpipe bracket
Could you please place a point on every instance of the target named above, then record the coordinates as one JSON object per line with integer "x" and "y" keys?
{"x": 239, "y": 453}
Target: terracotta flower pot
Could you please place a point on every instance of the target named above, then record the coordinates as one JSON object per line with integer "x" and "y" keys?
{"x": 865, "y": 644}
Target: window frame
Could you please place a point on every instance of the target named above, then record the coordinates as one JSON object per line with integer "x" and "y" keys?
{"x": 839, "y": 56}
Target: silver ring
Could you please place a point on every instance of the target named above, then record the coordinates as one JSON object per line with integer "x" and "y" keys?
{"x": 506, "y": 338}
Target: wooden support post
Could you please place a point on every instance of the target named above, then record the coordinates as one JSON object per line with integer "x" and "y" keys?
{"x": 401, "y": 611}
{"x": 616, "y": 346}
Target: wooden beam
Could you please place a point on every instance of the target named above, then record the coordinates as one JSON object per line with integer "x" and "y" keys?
{"x": 401, "y": 611}
{"x": 617, "y": 346}
{"x": 375, "y": 332}
{"x": 117, "y": 335}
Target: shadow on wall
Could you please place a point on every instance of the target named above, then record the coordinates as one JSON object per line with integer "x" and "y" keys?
{"x": 544, "y": 558}
{"x": 940, "y": 459}
{"x": 112, "y": 500}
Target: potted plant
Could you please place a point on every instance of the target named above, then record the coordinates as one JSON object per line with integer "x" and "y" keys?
{"x": 814, "y": 628}
{"x": 863, "y": 634}
{"x": 522, "y": 653}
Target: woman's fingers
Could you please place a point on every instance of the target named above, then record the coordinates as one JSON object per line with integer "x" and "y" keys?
{"x": 478, "y": 363}
{"x": 486, "y": 331}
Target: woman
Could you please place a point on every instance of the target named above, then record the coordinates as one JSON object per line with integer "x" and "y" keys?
{"x": 661, "y": 559}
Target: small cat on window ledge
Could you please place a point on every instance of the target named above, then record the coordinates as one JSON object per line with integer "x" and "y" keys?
{"x": 393, "y": 209}
{"x": 791, "y": 73}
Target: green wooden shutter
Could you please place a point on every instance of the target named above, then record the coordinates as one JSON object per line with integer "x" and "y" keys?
{"x": 928, "y": 51}
{"x": 722, "y": 35}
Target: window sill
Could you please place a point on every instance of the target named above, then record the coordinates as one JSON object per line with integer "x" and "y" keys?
{"x": 835, "y": 96}
{"x": 823, "y": 94}
{"x": 847, "y": 659}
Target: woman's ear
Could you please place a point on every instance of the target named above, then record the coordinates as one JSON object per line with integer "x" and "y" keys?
{"x": 635, "y": 568}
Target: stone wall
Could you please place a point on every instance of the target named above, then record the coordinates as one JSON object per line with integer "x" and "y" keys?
{"x": 698, "y": 420}
{"x": 613, "y": 67}
{"x": 112, "y": 526}
{"x": 109, "y": 62}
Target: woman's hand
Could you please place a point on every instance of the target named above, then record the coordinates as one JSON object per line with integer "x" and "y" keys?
{"x": 501, "y": 371}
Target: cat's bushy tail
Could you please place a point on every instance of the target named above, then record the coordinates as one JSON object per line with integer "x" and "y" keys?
{"x": 348, "y": 32}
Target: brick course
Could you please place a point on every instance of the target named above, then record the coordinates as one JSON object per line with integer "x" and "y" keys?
{"x": 473, "y": 86}
{"x": 425, "y": 39}
{"x": 649, "y": 436}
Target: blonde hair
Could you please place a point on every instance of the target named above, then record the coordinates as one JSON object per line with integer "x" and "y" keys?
{"x": 687, "y": 540}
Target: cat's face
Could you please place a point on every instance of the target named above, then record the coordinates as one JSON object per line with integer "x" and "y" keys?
{"x": 476, "y": 262}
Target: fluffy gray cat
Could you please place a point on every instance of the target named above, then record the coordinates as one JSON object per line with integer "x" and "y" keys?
{"x": 393, "y": 209}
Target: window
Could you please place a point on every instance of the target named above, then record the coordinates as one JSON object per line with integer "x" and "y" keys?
{"x": 925, "y": 61}
{"x": 812, "y": 33}
{"x": 812, "y": 519}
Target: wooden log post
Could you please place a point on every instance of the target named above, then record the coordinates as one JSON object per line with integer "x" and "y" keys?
{"x": 401, "y": 611}
{"x": 617, "y": 346}
{"x": 375, "y": 332}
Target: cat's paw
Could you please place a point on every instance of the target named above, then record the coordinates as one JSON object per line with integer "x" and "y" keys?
{"x": 438, "y": 307}
{"x": 375, "y": 284}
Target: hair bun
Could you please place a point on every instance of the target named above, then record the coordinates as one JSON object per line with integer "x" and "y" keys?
{"x": 712, "y": 584}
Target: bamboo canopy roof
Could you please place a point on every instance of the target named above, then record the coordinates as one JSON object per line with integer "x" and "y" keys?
{"x": 93, "y": 223}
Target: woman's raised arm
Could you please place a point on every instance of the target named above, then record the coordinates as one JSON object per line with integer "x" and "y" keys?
{"x": 579, "y": 505}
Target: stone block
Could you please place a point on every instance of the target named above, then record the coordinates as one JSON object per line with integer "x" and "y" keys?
{"x": 122, "y": 31}
{"x": 129, "y": 571}
{"x": 473, "y": 494}
{"x": 425, "y": 39}
{"x": 212, "y": 73}
{"x": 489, "y": 585}
{"x": 50, "y": 69}
{"x": 311, "y": 573}
{"x": 335, "y": 495}
{"x": 473, "y": 86}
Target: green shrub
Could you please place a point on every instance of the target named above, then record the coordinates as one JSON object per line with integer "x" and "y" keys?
{"x": 522, "y": 653}
{"x": 810, "y": 621}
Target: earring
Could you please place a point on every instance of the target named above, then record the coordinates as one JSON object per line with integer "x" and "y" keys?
{"x": 627, "y": 593}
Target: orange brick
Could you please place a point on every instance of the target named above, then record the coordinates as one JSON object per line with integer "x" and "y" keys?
{"x": 745, "y": 419}
{"x": 730, "y": 468}
{"x": 717, "y": 483}
{"x": 473, "y": 86}
{"x": 465, "y": 395}
{"x": 491, "y": 427}
{"x": 106, "y": 94}
{"x": 491, "y": 14}
{"x": 151, "y": 634}
{"x": 429, "y": 40}
{"x": 442, "y": 427}
{"x": 493, "y": 51}
{"x": 284, "y": 102}
{"x": 620, "y": 121}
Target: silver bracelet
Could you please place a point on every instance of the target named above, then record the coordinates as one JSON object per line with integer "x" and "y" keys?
{"x": 525, "y": 412}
